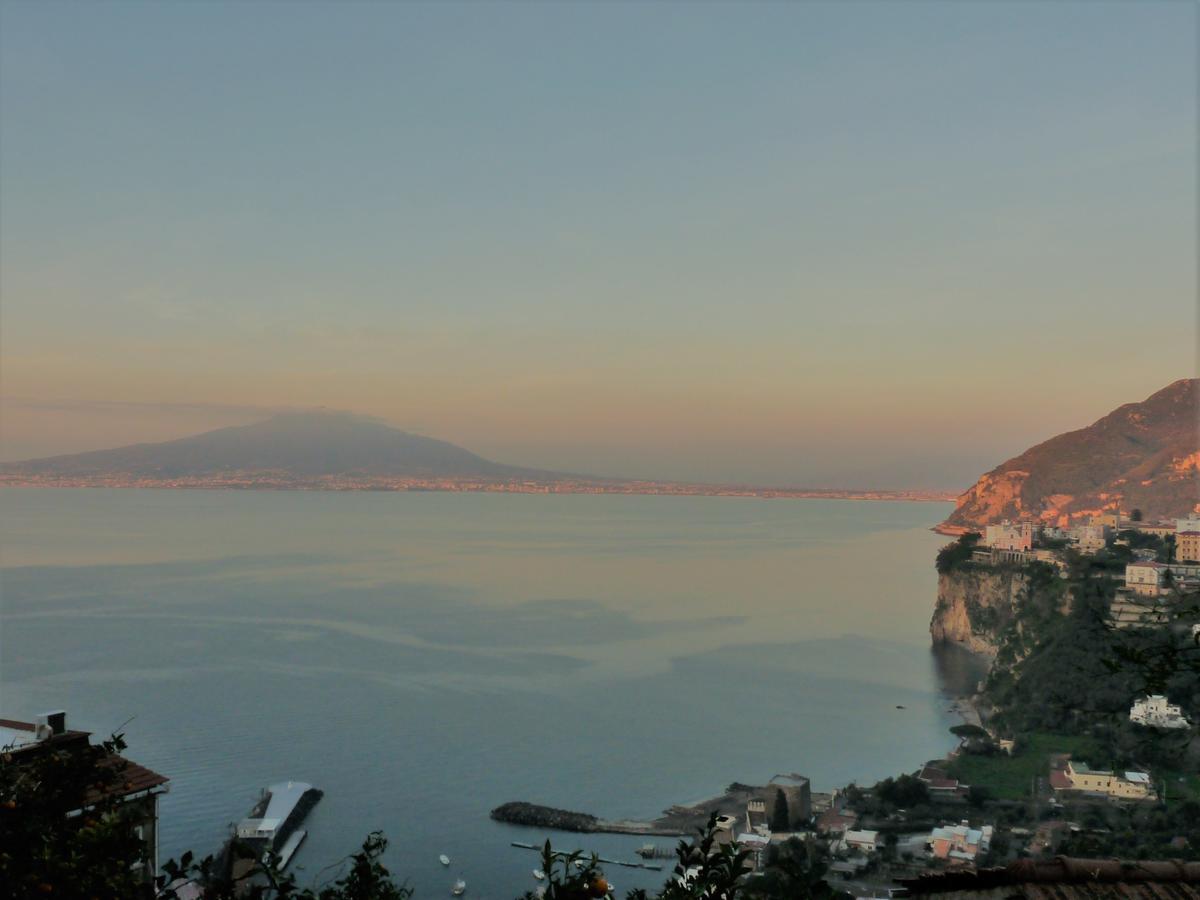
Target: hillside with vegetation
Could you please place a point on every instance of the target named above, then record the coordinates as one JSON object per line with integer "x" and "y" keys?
{"x": 1140, "y": 456}
{"x": 1061, "y": 682}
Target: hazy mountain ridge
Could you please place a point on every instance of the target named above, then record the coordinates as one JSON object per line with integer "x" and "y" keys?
{"x": 1140, "y": 456}
{"x": 301, "y": 444}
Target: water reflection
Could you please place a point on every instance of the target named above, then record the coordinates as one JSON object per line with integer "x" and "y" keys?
{"x": 424, "y": 658}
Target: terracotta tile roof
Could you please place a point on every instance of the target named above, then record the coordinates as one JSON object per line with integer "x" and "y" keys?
{"x": 1059, "y": 780}
{"x": 937, "y": 779}
{"x": 133, "y": 780}
{"x": 835, "y": 821}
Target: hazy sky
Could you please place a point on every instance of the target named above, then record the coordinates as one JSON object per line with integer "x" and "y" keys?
{"x": 844, "y": 244}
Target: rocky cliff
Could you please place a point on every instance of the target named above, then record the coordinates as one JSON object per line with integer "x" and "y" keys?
{"x": 1140, "y": 456}
{"x": 975, "y": 605}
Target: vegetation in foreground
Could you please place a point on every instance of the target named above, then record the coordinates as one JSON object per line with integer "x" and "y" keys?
{"x": 48, "y": 848}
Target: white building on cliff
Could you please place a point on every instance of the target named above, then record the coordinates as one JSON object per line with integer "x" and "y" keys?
{"x": 1155, "y": 712}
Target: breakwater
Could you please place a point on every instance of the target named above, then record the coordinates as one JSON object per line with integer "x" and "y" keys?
{"x": 533, "y": 815}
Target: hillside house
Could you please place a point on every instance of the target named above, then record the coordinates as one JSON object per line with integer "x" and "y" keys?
{"x": 1145, "y": 578}
{"x": 137, "y": 788}
{"x": 1187, "y": 546}
{"x": 939, "y": 782}
{"x": 1155, "y": 712}
{"x": 863, "y": 841}
{"x": 1091, "y": 538}
{"x": 1072, "y": 775}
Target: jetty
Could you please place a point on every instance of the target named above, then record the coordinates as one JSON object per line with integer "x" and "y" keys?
{"x": 559, "y": 854}
{"x": 654, "y": 851}
{"x": 534, "y": 815}
{"x": 677, "y": 821}
{"x": 271, "y": 829}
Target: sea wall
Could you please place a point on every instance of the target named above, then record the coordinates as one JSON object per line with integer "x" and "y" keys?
{"x": 976, "y": 604}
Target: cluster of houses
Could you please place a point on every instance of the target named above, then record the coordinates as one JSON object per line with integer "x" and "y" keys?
{"x": 1147, "y": 581}
{"x": 1138, "y": 603}
{"x": 952, "y": 845}
{"x": 1091, "y": 536}
{"x": 851, "y": 848}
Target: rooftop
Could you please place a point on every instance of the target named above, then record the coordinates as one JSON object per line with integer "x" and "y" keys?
{"x": 22, "y": 737}
{"x": 1066, "y": 878}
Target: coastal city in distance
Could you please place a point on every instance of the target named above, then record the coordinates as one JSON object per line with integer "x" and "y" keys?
{"x": 283, "y": 481}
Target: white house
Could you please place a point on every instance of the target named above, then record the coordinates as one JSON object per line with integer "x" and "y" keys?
{"x": 1144, "y": 578}
{"x": 866, "y": 841}
{"x": 1155, "y": 712}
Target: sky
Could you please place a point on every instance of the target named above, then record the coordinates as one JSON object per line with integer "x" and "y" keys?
{"x": 829, "y": 245}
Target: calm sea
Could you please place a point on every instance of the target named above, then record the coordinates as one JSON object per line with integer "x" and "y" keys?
{"x": 425, "y": 657}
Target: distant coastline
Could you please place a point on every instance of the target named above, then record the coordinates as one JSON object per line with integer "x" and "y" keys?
{"x": 275, "y": 481}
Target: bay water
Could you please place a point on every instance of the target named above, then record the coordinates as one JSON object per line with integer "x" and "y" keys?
{"x": 424, "y": 657}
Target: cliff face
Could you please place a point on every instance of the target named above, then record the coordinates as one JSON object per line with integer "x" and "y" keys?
{"x": 975, "y": 606}
{"x": 1140, "y": 456}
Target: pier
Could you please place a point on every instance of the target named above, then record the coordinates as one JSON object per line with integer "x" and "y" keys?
{"x": 652, "y": 867}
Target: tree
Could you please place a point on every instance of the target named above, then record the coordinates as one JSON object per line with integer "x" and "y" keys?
{"x": 954, "y": 555}
{"x": 968, "y": 730}
{"x": 978, "y": 795}
{"x": 780, "y": 819}
{"x": 361, "y": 877}
{"x": 64, "y": 828}
{"x": 1135, "y": 516}
{"x": 795, "y": 869}
{"x": 905, "y": 791}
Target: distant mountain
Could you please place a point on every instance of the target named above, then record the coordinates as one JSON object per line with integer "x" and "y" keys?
{"x": 1140, "y": 456}
{"x": 301, "y": 445}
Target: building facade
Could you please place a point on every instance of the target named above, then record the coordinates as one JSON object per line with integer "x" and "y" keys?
{"x": 1144, "y": 578}
{"x": 1010, "y": 536}
{"x": 1127, "y": 786}
{"x": 1092, "y": 538}
{"x": 1187, "y": 546}
{"x": 1155, "y": 712}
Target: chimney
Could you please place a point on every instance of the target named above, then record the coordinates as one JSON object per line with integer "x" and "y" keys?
{"x": 51, "y": 724}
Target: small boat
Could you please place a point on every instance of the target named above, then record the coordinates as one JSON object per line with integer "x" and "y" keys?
{"x": 460, "y": 888}
{"x": 539, "y": 874}
{"x": 444, "y": 859}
